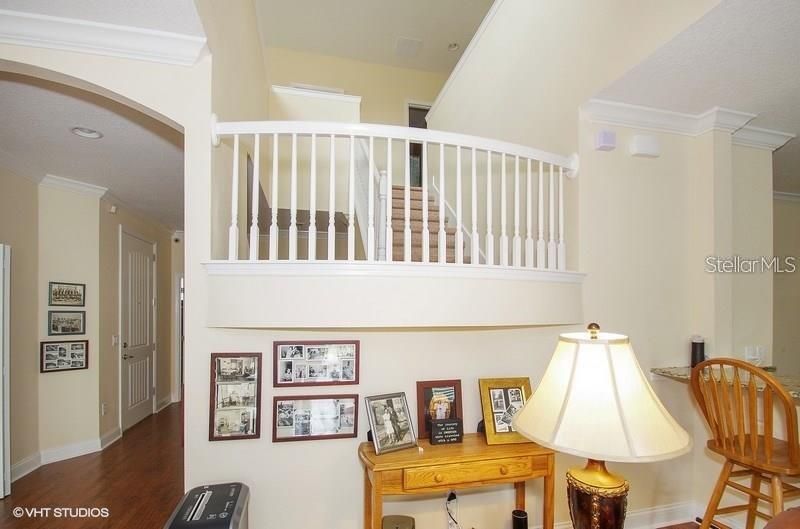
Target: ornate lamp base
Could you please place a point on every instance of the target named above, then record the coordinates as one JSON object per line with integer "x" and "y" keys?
{"x": 598, "y": 499}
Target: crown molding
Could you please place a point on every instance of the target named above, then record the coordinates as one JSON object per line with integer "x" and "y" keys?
{"x": 782, "y": 195}
{"x": 44, "y": 31}
{"x": 759, "y": 138}
{"x": 67, "y": 184}
{"x": 317, "y": 94}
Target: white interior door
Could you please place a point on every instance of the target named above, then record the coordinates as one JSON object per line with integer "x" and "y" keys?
{"x": 5, "y": 329}
{"x": 137, "y": 348}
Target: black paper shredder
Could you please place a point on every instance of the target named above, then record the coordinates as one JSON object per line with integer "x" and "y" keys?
{"x": 222, "y": 506}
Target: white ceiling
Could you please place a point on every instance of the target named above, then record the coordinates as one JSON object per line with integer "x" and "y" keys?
{"x": 742, "y": 55}
{"x": 139, "y": 159}
{"x": 368, "y": 30}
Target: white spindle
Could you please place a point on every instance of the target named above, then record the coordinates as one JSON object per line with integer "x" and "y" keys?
{"x": 273, "y": 226}
{"x": 517, "y": 238}
{"x": 562, "y": 250}
{"x": 475, "y": 238}
{"x": 389, "y": 203}
{"x": 351, "y": 203}
{"x": 529, "y": 221}
{"x": 540, "y": 245}
{"x": 254, "y": 231}
{"x": 426, "y": 235}
{"x": 332, "y": 203}
{"x": 551, "y": 225}
{"x": 312, "y": 208}
{"x": 383, "y": 191}
{"x": 293, "y": 203}
{"x": 407, "y": 205}
{"x": 371, "y": 203}
{"x": 233, "y": 231}
{"x": 459, "y": 236}
{"x": 503, "y": 213}
{"x": 489, "y": 234}
{"x": 442, "y": 232}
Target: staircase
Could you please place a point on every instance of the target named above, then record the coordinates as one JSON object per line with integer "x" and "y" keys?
{"x": 434, "y": 219}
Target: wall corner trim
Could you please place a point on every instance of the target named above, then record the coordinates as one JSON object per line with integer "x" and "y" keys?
{"x": 759, "y": 138}
{"x": 67, "y": 184}
{"x": 25, "y": 466}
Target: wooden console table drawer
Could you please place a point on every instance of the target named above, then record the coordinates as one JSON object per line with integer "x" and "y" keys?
{"x": 459, "y": 473}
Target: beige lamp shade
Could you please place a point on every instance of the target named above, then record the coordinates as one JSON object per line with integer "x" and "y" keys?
{"x": 595, "y": 402}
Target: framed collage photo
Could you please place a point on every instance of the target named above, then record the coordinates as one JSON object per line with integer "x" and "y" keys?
{"x": 314, "y": 417}
{"x": 66, "y": 294}
{"x": 501, "y": 399}
{"x": 63, "y": 356}
{"x": 390, "y": 422}
{"x": 437, "y": 399}
{"x": 317, "y": 363}
{"x": 63, "y": 323}
{"x": 235, "y": 409}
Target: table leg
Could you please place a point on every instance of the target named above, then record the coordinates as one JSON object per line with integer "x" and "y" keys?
{"x": 548, "y": 516}
{"x": 519, "y": 487}
{"x": 377, "y": 501}
{"x": 367, "y": 501}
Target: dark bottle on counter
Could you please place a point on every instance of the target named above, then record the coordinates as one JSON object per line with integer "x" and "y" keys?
{"x": 698, "y": 350}
{"x": 519, "y": 519}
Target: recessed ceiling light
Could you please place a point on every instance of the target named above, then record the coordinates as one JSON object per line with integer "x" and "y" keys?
{"x": 453, "y": 46}
{"x": 83, "y": 132}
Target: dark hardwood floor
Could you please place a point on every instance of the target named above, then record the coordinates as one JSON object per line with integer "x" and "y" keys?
{"x": 139, "y": 479}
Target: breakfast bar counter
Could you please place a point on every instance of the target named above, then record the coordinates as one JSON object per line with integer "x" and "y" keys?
{"x": 683, "y": 374}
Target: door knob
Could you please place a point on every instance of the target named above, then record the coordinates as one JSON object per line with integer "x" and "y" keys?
{"x": 124, "y": 345}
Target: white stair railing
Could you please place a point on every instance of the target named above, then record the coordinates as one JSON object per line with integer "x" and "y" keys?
{"x": 364, "y": 195}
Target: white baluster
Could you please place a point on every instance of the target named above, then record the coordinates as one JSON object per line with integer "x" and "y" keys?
{"x": 475, "y": 238}
{"x": 562, "y": 249}
{"x": 312, "y": 211}
{"x": 517, "y": 239}
{"x": 389, "y": 203}
{"x": 383, "y": 192}
{"x": 442, "y": 232}
{"x": 459, "y": 229}
{"x": 254, "y": 231}
{"x": 489, "y": 234}
{"x": 371, "y": 202}
{"x": 293, "y": 203}
{"x": 332, "y": 203}
{"x": 351, "y": 201}
{"x": 273, "y": 227}
{"x": 233, "y": 231}
{"x": 503, "y": 214}
{"x": 426, "y": 235}
{"x": 540, "y": 244}
{"x": 407, "y": 205}
{"x": 551, "y": 225}
{"x": 529, "y": 220}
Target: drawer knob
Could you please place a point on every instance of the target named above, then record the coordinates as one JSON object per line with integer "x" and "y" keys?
{"x": 504, "y": 470}
{"x": 438, "y": 478}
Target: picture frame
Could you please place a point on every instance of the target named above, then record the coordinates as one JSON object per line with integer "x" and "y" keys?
{"x": 61, "y": 294}
{"x": 501, "y": 398}
{"x": 69, "y": 355}
{"x": 314, "y": 417}
{"x": 437, "y": 399}
{"x": 390, "y": 421}
{"x": 66, "y": 323}
{"x": 235, "y": 403}
{"x": 316, "y": 363}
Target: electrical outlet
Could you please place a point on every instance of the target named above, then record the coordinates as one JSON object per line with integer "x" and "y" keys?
{"x": 102, "y": 408}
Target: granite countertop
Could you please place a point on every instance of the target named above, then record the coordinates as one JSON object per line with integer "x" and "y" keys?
{"x": 683, "y": 373}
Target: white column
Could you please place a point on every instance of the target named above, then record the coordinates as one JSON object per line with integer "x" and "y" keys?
{"x": 489, "y": 234}
{"x": 293, "y": 203}
{"x": 332, "y": 203}
{"x": 475, "y": 243}
{"x": 389, "y": 203}
{"x": 351, "y": 201}
{"x": 442, "y": 232}
{"x": 383, "y": 190}
{"x": 273, "y": 227}
{"x": 517, "y": 261}
{"x": 529, "y": 219}
{"x": 254, "y": 231}
{"x": 407, "y": 205}
{"x": 503, "y": 213}
{"x": 540, "y": 244}
{"x": 551, "y": 225}
{"x": 459, "y": 225}
{"x": 233, "y": 231}
{"x": 312, "y": 209}
{"x": 426, "y": 235}
{"x": 562, "y": 249}
{"x": 371, "y": 202}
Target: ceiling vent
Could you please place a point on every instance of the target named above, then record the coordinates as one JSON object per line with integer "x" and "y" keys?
{"x": 407, "y": 48}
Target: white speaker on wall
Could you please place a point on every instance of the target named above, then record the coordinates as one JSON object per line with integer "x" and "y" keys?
{"x": 605, "y": 140}
{"x": 645, "y": 145}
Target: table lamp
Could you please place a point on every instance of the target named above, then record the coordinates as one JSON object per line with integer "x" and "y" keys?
{"x": 595, "y": 402}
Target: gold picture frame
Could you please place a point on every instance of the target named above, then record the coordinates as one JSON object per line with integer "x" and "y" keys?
{"x": 501, "y": 398}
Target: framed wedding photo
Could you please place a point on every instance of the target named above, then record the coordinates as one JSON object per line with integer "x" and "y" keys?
{"x": 501, "y": 399}
{"x": 63, "y": 323}
{"x": 63, "y": 356}
{"x": 437, "y": 399}
{"x": 235, "y": 409}
{"x": 315, "y": 363}
{"x": 66, "y": 294}
{"x": 390, "y": 422}
{"x": 314, "y": 417}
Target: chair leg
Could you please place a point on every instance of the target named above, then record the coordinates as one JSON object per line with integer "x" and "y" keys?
{"x": 716, "y": 496}
{"x": 777, "y": 495}
{"x": 752, "y": 506}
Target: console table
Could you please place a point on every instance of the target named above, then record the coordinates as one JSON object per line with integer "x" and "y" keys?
{"x": 441, "y": 468}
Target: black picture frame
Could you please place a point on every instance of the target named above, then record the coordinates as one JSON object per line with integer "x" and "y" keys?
{"x": 63, "y": 356}
{"x": 72, "y": 331}
{"x": 222, "y": 405}
{"x": 54, "y": 301}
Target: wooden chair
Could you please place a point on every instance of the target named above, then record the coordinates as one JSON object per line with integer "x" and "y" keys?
{"x": 727, "y": 391}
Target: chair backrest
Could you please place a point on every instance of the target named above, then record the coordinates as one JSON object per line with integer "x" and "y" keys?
{"x": 727, "y": 392}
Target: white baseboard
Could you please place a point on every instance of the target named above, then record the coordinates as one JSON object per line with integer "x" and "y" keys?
{"x": 649, "y": 518}
{"x": 60, "y": 453}
{"x": 25, "y": 466}
{"x": 110, "y": 437}
{"x": 163, "y": 403}
{"x": 176, "y": 396}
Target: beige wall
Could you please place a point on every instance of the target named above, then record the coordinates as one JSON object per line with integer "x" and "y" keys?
{"x": 786, "y": 331}
{"x": 19, "y": 228}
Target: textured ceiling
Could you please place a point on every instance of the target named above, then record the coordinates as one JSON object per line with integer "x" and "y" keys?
{"x": 139, "y": 159}
{"x": 368, "y": 30}
{"x": 742, "y": 55}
